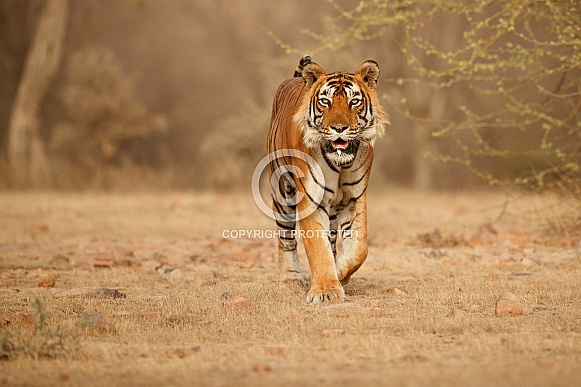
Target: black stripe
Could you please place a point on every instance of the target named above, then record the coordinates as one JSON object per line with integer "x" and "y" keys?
{"x": 349, "y": 222}
{"x": 279, "y": 207}
{"x": 285, "y": 226}
{"x": 329, "y": 163}
{"x": 319, "y": 184}
{"x": 363, "y": 162}
{"x": 359, "y": 180}
{"x": 318, "y": 205}
{"x": 357, "y": 198}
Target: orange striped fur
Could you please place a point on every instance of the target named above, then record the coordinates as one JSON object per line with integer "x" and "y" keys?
{"x": 335, "y": 119}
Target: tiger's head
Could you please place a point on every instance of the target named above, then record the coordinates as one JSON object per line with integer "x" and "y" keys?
{"x": 340, "y": 111}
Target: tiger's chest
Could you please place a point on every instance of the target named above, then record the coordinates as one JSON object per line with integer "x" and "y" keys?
{"x": 341, "y": 185}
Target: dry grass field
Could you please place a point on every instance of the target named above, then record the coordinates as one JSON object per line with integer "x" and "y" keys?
{"x": 142, "y": 289}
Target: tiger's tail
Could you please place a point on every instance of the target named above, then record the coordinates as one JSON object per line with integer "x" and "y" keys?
{"x": 305, "y": 60}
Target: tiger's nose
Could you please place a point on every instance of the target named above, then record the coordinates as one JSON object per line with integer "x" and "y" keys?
{"x": 339, "y": 128}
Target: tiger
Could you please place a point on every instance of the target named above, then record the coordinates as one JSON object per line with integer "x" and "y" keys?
{"x": 334, "y": 119}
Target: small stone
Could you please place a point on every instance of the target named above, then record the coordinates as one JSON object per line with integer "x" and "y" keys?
{"x": 36, "y": 228}
{"x": 59, "y": 259}
{"x": 4, "y": 319}
{"x": 103, "y": 262}
{"x": 47, "y": 282}
{"x": 508, "y": 308}
{"x": 63, "y": 376}
{"x": 98, "y": 324}
{"x": 173, "y": 276}
{"x": 274, "y": 351}
{"x": 237, "y": 302}
{"x": 178, "y": 352}
{"x": 396, "y": 291}
{"x": 107, "y": 293}
{"x": 25, "y": 320}
{"x": 543, "y": 308}
{"x": 261, "y": 368}
{"x": 332, "y": 332}
{"x": 373, "y": 304}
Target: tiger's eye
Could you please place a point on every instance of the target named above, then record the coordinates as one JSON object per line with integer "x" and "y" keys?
{"x": 324, "y": 101}
{"x": 355, "y": 102}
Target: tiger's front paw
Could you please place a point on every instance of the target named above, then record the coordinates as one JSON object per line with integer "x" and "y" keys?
{"x": 330, "y": 294}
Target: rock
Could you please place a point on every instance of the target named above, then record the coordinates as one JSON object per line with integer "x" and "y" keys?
{"x": 36, "y": 228}
{"x": 47, "y": 282}
{"x": 508, "y": 308}
{"x": 543, "y": 308}
{"x": 396, "y": 291}
{"x": 59, "y": 259}
{"x": 372, "y": 304}
{"x": 508, "y": 305}
{"x": 332, "y": 332}
{"x": 25, "y": 320}
{"x": 4, "y": 319}
{"x": 107, "y": 293}
{"x": 475, "y": 242}
{"x": 484, "y": 235}
{"x": 103, "y": 262}
{"x": 173, "y": 276}
{"x": 237, "y": 302}
{"x": 261, "y": 368}
{"x": 98, "y": 324}
{"x": 178, "y": 352}
{"x": 274, "y": 351}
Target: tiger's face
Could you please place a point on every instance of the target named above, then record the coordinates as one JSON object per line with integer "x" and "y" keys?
{"x": 340, "y": 111}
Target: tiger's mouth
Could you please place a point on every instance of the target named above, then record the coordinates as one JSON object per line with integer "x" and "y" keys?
{"x": 339, "y": 144}
{"x": 341, "y": 152}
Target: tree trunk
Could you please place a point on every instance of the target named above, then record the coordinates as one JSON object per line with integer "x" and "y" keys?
{"x": 26, "y": 153}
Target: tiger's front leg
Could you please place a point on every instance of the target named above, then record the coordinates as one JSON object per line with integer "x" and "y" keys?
{"x": 325, "y": 285}
{"x": 353, "y": 225}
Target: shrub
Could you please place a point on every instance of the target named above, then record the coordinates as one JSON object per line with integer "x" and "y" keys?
{"x": 506, "y": 73}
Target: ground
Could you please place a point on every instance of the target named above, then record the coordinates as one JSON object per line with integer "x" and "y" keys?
{"x": 144, "y": 289}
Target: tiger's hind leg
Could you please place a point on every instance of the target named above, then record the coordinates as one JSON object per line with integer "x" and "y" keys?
{"x": 285, "y": 212}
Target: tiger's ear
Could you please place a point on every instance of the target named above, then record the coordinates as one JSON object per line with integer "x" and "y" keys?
{"x": 368, "y": 71}
{"x": 311, "y": 73}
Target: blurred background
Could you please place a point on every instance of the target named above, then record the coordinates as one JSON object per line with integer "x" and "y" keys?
{"x": 176, "y": 94}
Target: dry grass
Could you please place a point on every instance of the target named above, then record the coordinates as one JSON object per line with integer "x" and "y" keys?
{"x": 415, "y": 314}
